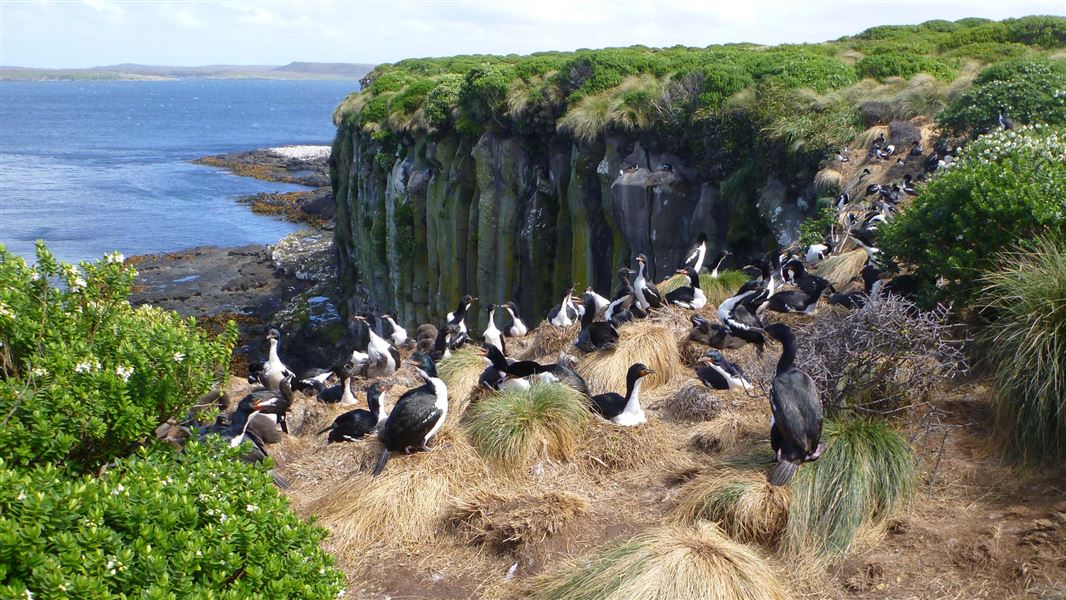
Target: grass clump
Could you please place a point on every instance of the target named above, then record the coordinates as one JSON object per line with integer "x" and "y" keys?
{"x": 460, "y": 372}
{"x": 864, "y": 476}
{"x": 743, "y": 504}
{"x": 509, "y": 523}
{"x": 1027, "y": 350}
{"x": 512, "y": 428}
{"x": 643, "y": 341}
{"x": 666, "y": 563}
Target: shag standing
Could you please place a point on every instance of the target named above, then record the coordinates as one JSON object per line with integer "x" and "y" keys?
{"x": 565, "y": 314}
{"x": 417, "y": 416}
{"x": 796, "y": 422}
{"x": 645, "y": 292}
{"x": 517, "y": 328}
{"x": 397, "y": 335}
{"x": 457, "y": 318}
{"x": 492, "y": 335}
{"x": 273, "y": 370}
{"x": 695, "y": 256}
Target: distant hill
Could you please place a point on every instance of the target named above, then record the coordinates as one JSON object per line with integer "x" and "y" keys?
{"x": 295, "y": 70}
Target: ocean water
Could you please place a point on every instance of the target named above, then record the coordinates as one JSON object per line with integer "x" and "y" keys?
{"x": 96, "y": 166}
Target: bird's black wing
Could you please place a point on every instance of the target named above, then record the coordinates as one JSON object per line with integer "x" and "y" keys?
{"x": 684, "y": 293}
{"x": 797, "y": 411}
{"x": 609, "y": 404}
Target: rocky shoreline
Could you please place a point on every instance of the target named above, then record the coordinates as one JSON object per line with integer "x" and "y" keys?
{"x": 298, "y": 165}
{"x": 290, "y": 285}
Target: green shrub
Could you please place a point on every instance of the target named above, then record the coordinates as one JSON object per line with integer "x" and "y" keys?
{"x": 903, "y": 64}
{"x": 1026, "y": 349}
{"x": 83, "y": 375}
{"x": 862, "y": 479}
{"x": 162, "y": 523}
{"x": 815, "y": 229}
{"x": 1006, "y": 186}
{"x": 1031, "y": 91}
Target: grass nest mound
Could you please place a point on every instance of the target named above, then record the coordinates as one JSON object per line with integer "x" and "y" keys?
{"x": 694, "y": 401}
{"x": 863, "y": 478}
{"x": 513, "y": 428}
{"x": 406, "y": 505}
{"x": 743, "y": 504}
{"x": 840, "y": 269}
{"x": 646, "y": 342}
{"x": 665, "y": 563}
{"x": 614, "y": 448}
{"x": 507, "y": 523}
{"x": 549, "y": 340}
{"x": 724, "y": 432}
{"x": 460, "y": 372}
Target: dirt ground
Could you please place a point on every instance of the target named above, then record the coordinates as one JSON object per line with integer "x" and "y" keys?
{"x": 975, "y": 528}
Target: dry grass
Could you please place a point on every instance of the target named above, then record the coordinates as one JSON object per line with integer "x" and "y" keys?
{"x": 506, "y": 523}
{"x": 549, "y": 340}
{"x": 511, "y": 429}
{"x": 461, "y": 372}
{"x": 743, "y": 504}
{"x": 402, "y": 508}
{"x": 829, "y": 181}
{"x": 606, "y": 446}
{"x": 646, "y": 342}
{"x": 723, "y": 433}
{"x": 694, "y": 401}
{"x": 667, "y": 563}
{"x": 842, "y": 268}
{"x": 866, "y": 138}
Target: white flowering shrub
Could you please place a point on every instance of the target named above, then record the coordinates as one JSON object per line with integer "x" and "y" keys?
{"x": 1007, "y": 188}
{"x": 1029, "y": 90}
{"x": 162, "y": 523}
{"x": 83, "y": 375}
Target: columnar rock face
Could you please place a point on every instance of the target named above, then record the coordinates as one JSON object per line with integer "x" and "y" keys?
{"x": 421, "y": 224}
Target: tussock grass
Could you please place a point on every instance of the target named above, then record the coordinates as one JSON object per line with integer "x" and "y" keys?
{"x": 1027, "y": 292}
{"x": 549, "y": 340}
{"x": 743, "y": 504}
{"x": 643, "y": 341}
{"x": 829, "y": 181}
{"x": 862, "y": 479}
{"x": 716, "y": 289}
{"x": 666, "y": 563}
{"x": 403, "y": 508}
{"x": 840, "y": 269}
{"x": 513, "y": 428}
{"x": 617, "y": 109}
{"x": 460, "y": 372}
{"x": 506, "y": 523}
{"x": 866, "y": 138}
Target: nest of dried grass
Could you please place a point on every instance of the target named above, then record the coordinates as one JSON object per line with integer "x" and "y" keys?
{"x": 405, "y": 506}
{"x": 507, "y": 523}
{"x": 724, "y": 432}
{"x": 606, "y": 446}
{"x": 694, "y": 401}
{"x": 549, "y": 340}
{"x": 743, "y": 504}
{"x": 646, "y": 342}
{"x": 666, "y": 563}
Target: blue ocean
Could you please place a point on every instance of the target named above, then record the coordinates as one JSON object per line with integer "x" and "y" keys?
{"x": 96, "y": 166}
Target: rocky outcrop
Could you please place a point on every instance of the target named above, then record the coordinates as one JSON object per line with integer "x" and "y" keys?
{"x": 425, "y": 221}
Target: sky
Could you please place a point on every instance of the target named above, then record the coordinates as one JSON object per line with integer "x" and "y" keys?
{"x": 52, "y": 33}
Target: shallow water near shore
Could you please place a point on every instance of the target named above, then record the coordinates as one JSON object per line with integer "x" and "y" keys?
{"x": 96, "y": 166}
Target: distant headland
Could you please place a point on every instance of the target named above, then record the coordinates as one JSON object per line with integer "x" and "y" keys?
{"x": 129, "y": 71}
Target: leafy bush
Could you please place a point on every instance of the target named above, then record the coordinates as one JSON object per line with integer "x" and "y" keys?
{"x": 83, "y": 375}
{"x": 815, "y": 229}
{"x": 1026, "y": 345}
{"x": 903, "y": 64}
{"x": 1006, "y": 186}
{"x": 1030, "y": 90}
{"x": 160, "y": 524}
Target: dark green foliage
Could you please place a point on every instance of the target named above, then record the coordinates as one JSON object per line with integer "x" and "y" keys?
{"x": 883, "y": 65}
{"x": 83, "y": 375}
{"x": 162, "y": 523}
{"x": 1031, "y": 91}
{"x": 1025, "y": 293}
{"x": 1007, "y": 186}
{"x": 815, "y": 229}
